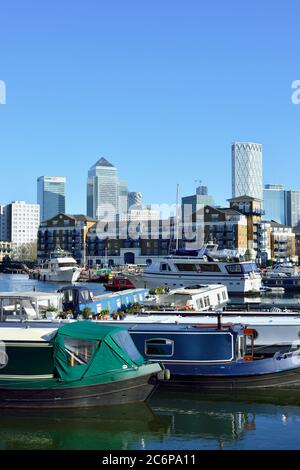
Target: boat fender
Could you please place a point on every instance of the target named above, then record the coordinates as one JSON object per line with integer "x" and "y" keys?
{"x": 164, "y": 375}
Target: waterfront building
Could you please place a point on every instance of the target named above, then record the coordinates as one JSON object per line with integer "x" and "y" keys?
{"x": 64, "y": 232}
{"x": 151, "y": 240}
{"x": 264, "y": 252}
{"x": 227, "y": 228}
{"x": 51, "y": 196}
{"x": 135, "y": 199}
{"x": 252, "y": 208}
{"x": 247, "y": 173}
{"x": 22, "y": 222}
{"x": 292, "y": 207}
{"x": 274, "y": 203}
{"x": 5, "y": 250}
{"x": 283, "y": 242}
{"x": 3, "y": 223}
{"x": 102, "y": 190}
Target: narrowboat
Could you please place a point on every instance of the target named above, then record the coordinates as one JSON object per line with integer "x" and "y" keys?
{"x": 209, "y": 357}
{"x": 83, "y": 364}
{"x": 76, "y": 298}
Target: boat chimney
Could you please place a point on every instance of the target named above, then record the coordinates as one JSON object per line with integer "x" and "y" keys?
{"x": 219, "y": 314}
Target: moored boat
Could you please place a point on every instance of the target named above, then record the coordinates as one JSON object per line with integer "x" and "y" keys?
{"x": 185, "y": 269}
{"x": 60, "y": 267}
{"x": 217, "y": 357}
{"x": 83, "y": 364}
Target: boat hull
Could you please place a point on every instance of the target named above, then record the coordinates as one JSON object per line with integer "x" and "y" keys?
{"x": 113, "y": 393}
{"x": 70, "y": 276}
{"x": 234, "y": 285}
{"x": 280, "y": 380}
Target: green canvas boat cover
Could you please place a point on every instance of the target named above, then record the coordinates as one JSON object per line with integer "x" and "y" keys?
{"x": 86, "y": 349}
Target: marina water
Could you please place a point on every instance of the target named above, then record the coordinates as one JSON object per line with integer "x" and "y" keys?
{"x": 195, "y": 421}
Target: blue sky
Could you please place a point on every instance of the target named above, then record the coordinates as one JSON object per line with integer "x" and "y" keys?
{"x": 160, "y": 88}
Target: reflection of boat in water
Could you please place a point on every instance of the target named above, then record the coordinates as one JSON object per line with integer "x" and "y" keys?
{"x": 115, "y": 427}
{"x": 225, "y": 417}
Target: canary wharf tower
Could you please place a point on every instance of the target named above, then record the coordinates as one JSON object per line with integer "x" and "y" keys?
{"x": 247, "y": 174}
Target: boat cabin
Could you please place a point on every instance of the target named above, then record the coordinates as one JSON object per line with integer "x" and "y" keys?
{"x": 187, "y": 345}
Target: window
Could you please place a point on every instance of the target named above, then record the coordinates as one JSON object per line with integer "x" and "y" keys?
{"x": 125, "y": 342}
{"x": 159, "y": 347}
{"x": 165, "y": 267}
{"x": 67, "y": 265}
{"x": 234, "y": 268}
{"x": 79, "y": 351}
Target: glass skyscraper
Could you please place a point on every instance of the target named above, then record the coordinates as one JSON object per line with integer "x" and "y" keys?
{"x": 274, "y": 203}
{"x": 247, "y": 175}
{"x": 51, "y": 196}
{"x": 292, "y": 207}
{"x": 102, "y": 190}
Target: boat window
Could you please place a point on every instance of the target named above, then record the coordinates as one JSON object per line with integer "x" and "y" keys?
{"x": 85, "y": 295}
{"x": 159, "y": 347}
{"x": 79, "y": 351}
{"x": 249, "y": 267}
{"x": 219, "y": 298}
{"x": 187, "y": 267}
{"x": 224, "y": 295}
{"x": 68, "y": 296}
{"x": 164, "y": 267}
{"x": 234, "y": 268}
{"x": 125, "y": 342}
{"x": 241, "y": 346}
{"x": 66, "y": 265}
{"x": 209, "y": 268}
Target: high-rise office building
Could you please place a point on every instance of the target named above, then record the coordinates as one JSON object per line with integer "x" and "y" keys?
{"x": 51, "y": 196}
{"x": 102, "y": 190}
{"x": 292, "y": 208}
{"x": 274, "y": 203}
{"x": 247, "y": 174}
{"x": 122, "y": 197}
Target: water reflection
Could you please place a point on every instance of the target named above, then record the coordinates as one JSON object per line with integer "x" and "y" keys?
{"x": 191, "y": 421}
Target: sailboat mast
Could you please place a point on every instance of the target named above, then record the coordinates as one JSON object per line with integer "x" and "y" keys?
{"x": 177, "y": 217}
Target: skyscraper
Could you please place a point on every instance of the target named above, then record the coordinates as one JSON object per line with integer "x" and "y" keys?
{"x": 122, "y": 197}
{"x": 247, "y": 175}
{"x": 274, "y": 203}
{"x": 51, "y": 196}
{"x": 292, "y": 207}
{"x": 102, "y": 190}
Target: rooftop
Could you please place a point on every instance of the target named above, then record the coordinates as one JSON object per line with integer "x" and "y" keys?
{"x": 103, "y": 162}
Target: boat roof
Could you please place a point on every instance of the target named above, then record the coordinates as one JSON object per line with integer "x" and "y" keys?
{"x": 196, "y": 328}
{"x": 197, "y": 289}
{"x": 28, "y": 295}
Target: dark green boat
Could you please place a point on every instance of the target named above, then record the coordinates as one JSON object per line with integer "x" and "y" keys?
{"x": 92, "y": 365}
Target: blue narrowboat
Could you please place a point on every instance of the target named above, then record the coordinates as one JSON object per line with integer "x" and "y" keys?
{"x": 76, "y": 298}
{"x": 216, "y": 357}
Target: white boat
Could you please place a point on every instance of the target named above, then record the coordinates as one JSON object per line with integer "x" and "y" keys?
{"x": 197, "y": 298}
{"x": 60, "y": 267}
{"x": 20, "y": 306}
{"x": 239, "y": 277}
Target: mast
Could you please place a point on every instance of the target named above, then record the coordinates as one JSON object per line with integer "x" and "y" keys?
{"x": 177, "y": 217}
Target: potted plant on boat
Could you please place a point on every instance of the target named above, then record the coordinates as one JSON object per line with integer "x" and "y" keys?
{"x": 104, "y": 314}
{"x": 86, "y": 313}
